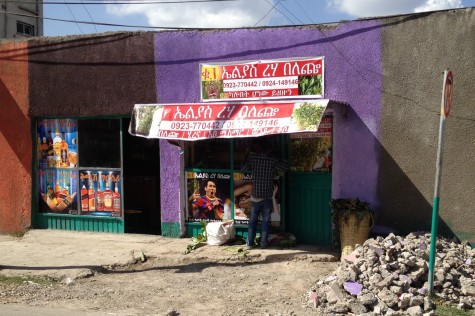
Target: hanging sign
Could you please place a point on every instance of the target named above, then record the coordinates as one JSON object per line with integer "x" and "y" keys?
{"x": 263, "y": 79}
{"x": 225, "y": 120}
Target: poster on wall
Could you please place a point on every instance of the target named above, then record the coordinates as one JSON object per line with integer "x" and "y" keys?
{"x": 208, "y": 196}
{"x": 99, "y": 193}
{"x": 225, "y": 120}
{"x": 57, "y": 191}
{"x": 242, "y": 200}
{"x": 312, "y": 152}
{"x": 56, "y": 141}
{"x": 263, "y": 79}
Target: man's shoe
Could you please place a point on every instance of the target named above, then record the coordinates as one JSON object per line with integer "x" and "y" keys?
{"x": 264, "y": 246}
{"x": 249, "y": 247}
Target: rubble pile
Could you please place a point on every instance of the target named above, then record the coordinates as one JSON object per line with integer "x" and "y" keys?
{"x": 389, "y": 276}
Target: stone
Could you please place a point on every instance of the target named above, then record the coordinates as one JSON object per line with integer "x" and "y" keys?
{"x": 367, "y": 298}
{"x": 339, "y": 308}
{"x": 388, "y": 297}
{"x": 414, "y": 311}
{"x": 354, "y": 288}
{"x": 416, "y": 301}
{"x": 356, "y": 307}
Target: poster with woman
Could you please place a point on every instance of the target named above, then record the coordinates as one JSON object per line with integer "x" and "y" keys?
{"x": 208, "y": 196}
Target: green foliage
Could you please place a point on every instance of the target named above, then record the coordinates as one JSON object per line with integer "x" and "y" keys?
{"x": 22, "y": 279}
{"x": 443, "y": 308}
{"x": 308, "y": 115}
{"x": 198, "y": 241}
{"x": 310, "y": 85}
{"x": 343, "y": 208}
{"x": 142, "y": 119}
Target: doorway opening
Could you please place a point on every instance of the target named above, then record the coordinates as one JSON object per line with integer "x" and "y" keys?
{"x": 141, "y": 174}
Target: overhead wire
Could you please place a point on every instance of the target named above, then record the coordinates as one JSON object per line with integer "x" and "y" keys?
{"x": 304, "y": 12}
{"x": 267, "y": 13}
{"x": 275, "y": 7}
{"x": 346, "y": 59}
{"x": 87, "y": 11}
{"x": 101, "y": 2}
{"x": 283, "y": 6}
{"x": 112, "y": 24}
{"x": 73, "y": 17}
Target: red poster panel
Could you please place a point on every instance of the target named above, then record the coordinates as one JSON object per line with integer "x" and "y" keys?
{"x": 225, "y": 120}
{"x": 263, "y": 79}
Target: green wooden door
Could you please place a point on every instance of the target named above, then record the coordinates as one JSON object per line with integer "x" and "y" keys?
{"x": 309, "y": 217}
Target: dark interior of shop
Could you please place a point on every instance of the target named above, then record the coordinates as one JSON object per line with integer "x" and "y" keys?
{"x": 141, "y": 168}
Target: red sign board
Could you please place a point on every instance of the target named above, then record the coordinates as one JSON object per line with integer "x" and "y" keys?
{"x": 448, "y": 91}
{"x": 225, "y": 120}
{"x": 263, "y": 79}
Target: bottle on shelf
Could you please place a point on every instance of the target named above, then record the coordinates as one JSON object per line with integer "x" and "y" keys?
{"x": 50, "y": 145}
{"x": 84, "y": 199}
{"x": 64, "y": 152}
{"x": 100, "y": 198}
{"x": 38, "y": 146}
{"x": 108, "y": 199}
{"x": 57, "y": 145}
{"x": 91, "y": 195}
{"x": 44, "y": 148}
{"x": 57, "y": 190}
{"x": 116, "y": 196}
{"x": 63, "y": 194}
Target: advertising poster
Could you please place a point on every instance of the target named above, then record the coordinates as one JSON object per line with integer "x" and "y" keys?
{"x": 313, "y": 151}
{"x": 56, "y": 143}
{"x": 99, "y": 193}
{"x": 242, "y": 200}
{"x": 263, "y": 79}
{"x": 209, "y": 196}
{"x": 225, "y": 120}
{"x": 58, "y": 191}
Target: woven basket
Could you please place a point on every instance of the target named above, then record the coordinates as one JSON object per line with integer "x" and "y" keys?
{"x": 353, "y": 232}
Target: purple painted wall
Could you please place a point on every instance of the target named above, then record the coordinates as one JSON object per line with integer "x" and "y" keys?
{"x": 352, "y": 61}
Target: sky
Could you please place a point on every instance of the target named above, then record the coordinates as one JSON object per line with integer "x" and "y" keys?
{"x": 221, "y": 13}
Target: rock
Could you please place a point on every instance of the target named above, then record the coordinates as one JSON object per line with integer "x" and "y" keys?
{"x": 414, "y": 311}
{"x": 354, "y": 288}
{"x": 367, "y": 298}
{"x": 356, "y": 307}
{"x": 392, "y": 277}
{"x": 339, "y": 308}
{"x": 416, "y": 301}
{"x": 388, "y": 297}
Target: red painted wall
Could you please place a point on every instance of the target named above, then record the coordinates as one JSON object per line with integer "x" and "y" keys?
{"x": 15, "y": 139}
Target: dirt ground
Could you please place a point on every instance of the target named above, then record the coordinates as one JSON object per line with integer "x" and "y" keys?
{"x": 179, "y": 284}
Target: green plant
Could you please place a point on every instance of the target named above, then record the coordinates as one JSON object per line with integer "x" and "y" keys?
{"x": 310, "y": 85}
{"x": 343, "y": 208}
{"x": 198, "y": 241}
{"x": 308, "y": 115}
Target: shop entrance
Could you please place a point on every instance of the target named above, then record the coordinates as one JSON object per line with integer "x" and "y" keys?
{"x": 141, "y": 174}
{"x": 309, "y": 217}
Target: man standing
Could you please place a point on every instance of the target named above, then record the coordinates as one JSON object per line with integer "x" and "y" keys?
{"x": 263, "y": 168}
{"x": 207, "y": 206}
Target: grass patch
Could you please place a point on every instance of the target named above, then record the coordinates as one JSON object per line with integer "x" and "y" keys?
{"x": 21, "y": 279}
{"x": 450, "y": 310}
{"x": 18, "y": 234}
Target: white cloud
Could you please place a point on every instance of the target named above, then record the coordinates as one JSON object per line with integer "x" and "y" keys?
{"x": 204, "y": 14}
{"x": 372, "y": 8}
